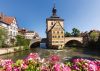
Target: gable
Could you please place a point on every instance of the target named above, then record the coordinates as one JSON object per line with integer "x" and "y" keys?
{"x": 56, "y": 26}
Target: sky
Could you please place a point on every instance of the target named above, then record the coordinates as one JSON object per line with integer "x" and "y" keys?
{"x": 31, "y": 14}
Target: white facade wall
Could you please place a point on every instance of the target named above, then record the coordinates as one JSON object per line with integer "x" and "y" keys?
{"x": 13, "y": 29}
{"x": 3, "y": 25}
{"x": 29, "y": 35}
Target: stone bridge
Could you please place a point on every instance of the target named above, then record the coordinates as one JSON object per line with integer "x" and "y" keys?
{"x": 79, "y": 39}
{"x": 35, "y": 41}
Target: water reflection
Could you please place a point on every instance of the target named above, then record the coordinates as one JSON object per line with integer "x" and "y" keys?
{"x": 66, "y": 53}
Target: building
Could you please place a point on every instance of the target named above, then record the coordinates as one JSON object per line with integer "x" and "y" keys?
{"x": 55, "y": 31}
{"x": 29, "y": 35}
{"x": 3, "y": 25}
{"x": 10, "y": 24}
{"x": 22, "y": 31}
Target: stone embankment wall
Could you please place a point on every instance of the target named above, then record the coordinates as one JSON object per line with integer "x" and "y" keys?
{"x": 10, "y": 50}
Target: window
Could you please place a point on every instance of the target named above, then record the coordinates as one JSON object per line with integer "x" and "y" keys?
{"x": 56, "y": 41}
{"x": 53, "y": 32}
{"x": 61, "y": 41}
{"x": 51, "y": 23}
{"x": 62, "y": 32}
{"x": 53, "y": 37}
{"x": 14, "y": 33}
{"x": 57, "y": 32}
{"x": 58, "y": 36}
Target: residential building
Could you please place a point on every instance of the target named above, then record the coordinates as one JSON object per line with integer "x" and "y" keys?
{"x": 22, "y": 31}
{"x": 10, "y": 24}
{"x": 55, "y": 31}
{"x": 29, "y": 35}
{"x": 3, "y": 25}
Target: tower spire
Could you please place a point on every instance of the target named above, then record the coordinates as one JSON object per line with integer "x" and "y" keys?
{"x": 54, "y": 10}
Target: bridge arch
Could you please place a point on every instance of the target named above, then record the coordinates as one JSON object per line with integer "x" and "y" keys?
{"x": 35, "y": 43}
{"x": 73, "y": 41}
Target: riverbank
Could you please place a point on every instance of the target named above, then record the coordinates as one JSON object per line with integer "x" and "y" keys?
{"x": 11, "y": 50}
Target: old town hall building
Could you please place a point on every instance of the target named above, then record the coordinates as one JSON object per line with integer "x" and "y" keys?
{"x": 55, "y": 31}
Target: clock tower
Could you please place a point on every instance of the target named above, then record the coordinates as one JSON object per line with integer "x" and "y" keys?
{"x": 55, "y": 31}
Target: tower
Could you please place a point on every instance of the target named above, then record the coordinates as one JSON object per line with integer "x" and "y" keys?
{"x": 55, "y": 30}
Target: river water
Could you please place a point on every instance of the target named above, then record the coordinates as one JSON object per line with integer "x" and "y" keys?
{"x": 63, "y": 54}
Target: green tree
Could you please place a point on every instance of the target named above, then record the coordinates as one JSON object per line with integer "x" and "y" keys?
{"x": 21, "y": 41}
{"x": 67, "y": 34}
{"x": 26, "y": 43}
{"x": 75, "y": 32}
{"x": 94, "y": 36}
{"x": 93, "y": 39}
{"x": 98, "y": 42}
{"x": 12, "y": 41}
{"x": 3, "y": 36}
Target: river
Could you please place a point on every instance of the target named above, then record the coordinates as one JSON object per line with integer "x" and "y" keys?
{"x": 63, "y": 54}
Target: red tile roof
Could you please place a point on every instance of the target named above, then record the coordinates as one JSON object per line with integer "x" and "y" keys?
{"x": 6, "y": 19}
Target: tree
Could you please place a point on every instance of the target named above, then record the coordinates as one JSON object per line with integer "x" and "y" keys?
{"x": 12, "y": 41}
{"x": 21, "y": 41}
{"x": 93, "y": 39}
{"x": 67, "y": 34}
{"x": 3, "y": 36}
{"x": 75, "y": 32}
{"x": 94, "y": 36}
{"x": 98, "y": 42}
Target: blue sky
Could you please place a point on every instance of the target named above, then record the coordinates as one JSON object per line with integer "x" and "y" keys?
{"x": 32, "y": 14}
